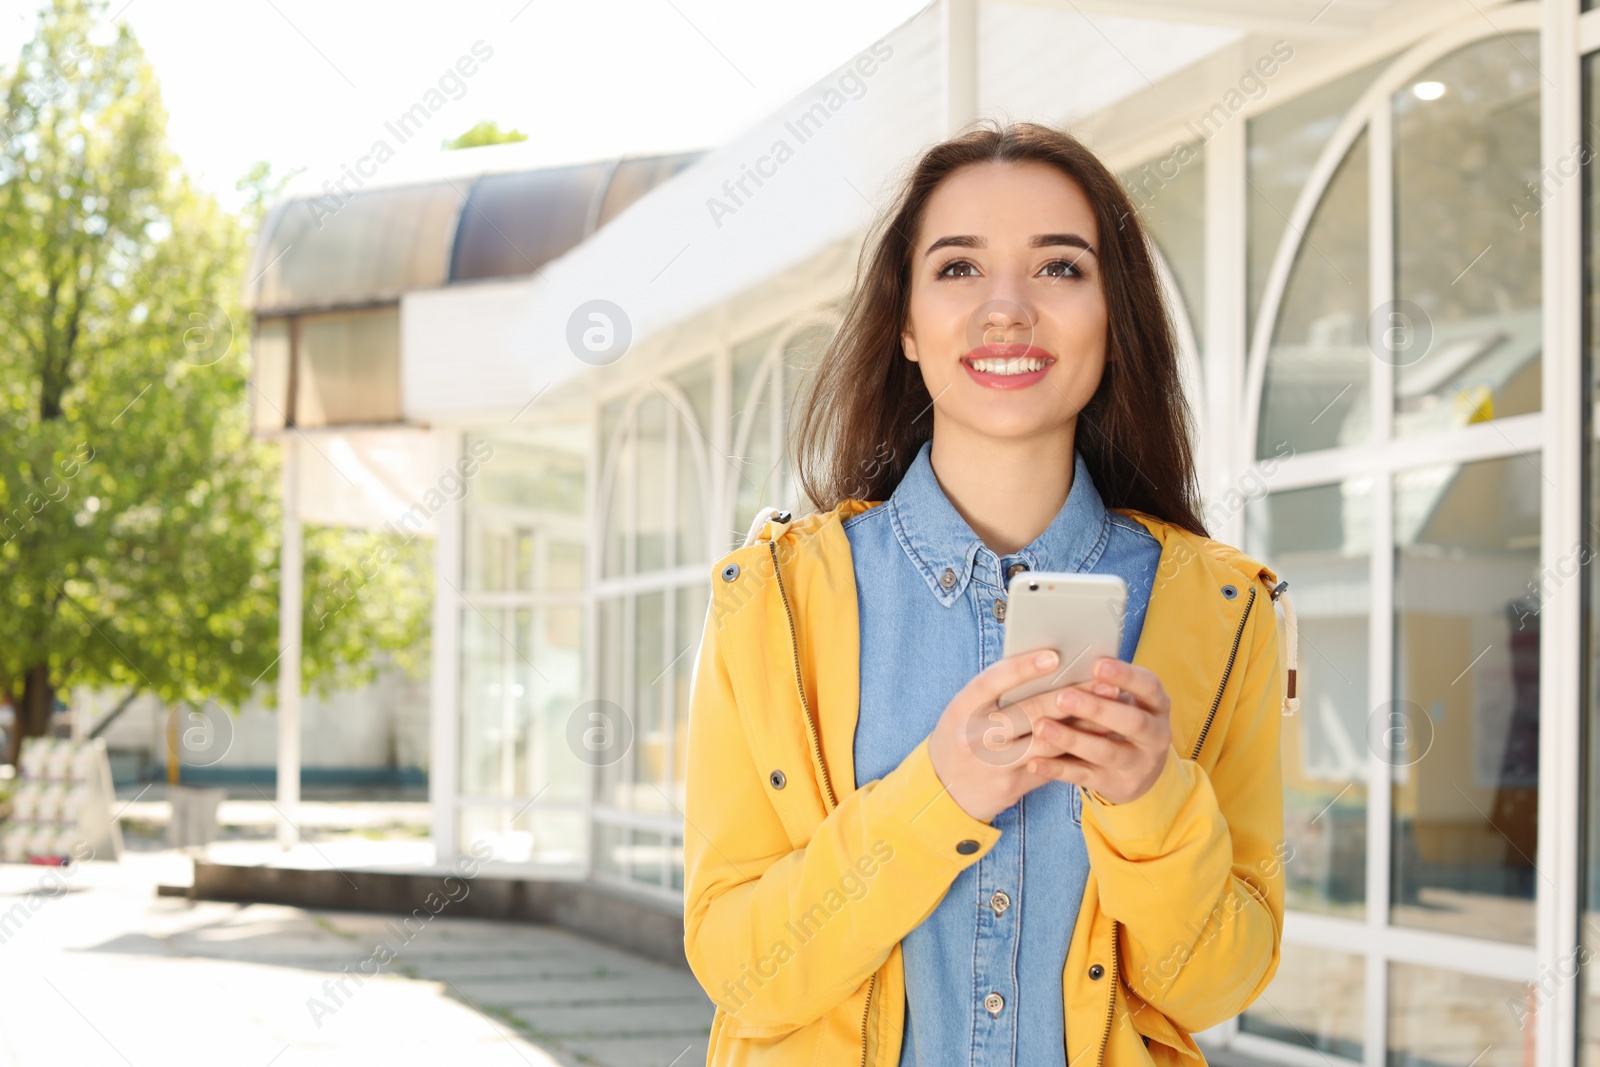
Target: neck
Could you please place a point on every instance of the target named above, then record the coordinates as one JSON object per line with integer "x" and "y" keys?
{"x": 1008, "y": 489}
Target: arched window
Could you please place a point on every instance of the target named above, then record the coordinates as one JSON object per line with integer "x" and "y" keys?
{"x": 1394, "y": 388}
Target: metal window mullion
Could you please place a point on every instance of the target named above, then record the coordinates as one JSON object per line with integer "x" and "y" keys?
{"x": 720, "y": 504}
{"x": 1381, "y": 570}
{"x": 669, "y": 704}
{"x": 1226, "y": 329}
{"x": 773, "y": 483}
{"x": 630, "y": 627}
{"x": 1380, "y": 691}
{"x": 593, "y": 561}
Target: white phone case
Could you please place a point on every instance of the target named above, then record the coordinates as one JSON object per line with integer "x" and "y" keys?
{"x": 1078, "y": 615}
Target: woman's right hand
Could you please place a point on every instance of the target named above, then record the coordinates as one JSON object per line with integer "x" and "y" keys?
{"x": 980, "y": 750}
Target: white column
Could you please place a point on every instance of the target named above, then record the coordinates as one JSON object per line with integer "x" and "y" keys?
{"x": 1565, "y": 543}
{"x": 290, "y": 580}
{"x": 960, "y": 63}
{"x": 445, "y": 703}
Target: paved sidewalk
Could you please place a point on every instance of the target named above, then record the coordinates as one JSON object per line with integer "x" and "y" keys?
{"x": 96, "y": 969}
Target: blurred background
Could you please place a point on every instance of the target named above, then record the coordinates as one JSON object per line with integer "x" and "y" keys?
{"x": 378, "y": 383}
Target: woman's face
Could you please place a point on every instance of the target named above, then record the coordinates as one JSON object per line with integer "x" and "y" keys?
{"x": 1008, "y": 317}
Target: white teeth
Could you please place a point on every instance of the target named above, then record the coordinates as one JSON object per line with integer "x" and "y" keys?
{"x": 1019, "y": 365}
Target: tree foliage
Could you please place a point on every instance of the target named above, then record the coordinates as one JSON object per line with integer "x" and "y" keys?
{"x": 139, "y": 518}
{"x": 486, "y": 132}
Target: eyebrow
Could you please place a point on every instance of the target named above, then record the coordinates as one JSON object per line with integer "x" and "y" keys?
{"x": 1038, "y": 240}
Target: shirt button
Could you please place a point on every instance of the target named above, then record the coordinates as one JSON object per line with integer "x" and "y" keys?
{"x": 948, "y": 578}
{"x": 967, "y": 847}
{"x": 994, "y": 1002}
{"x": 1000, "y": 610}
{"x": 999, "y": 902}
{"x": 1096, "y": 972}
{"x": 1015, "y": 569}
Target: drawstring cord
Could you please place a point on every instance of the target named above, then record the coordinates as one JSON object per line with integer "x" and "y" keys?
{"x": 768, "y": 512}
{"x": 1291, "y": 703}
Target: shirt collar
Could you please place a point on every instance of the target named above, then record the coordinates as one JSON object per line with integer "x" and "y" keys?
{"x": 936, "y": 538}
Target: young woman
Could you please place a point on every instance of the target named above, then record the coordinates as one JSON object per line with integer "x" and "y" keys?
{"x": 882, "y": 868}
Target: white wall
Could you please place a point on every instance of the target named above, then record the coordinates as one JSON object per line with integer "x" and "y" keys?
{"x": 384, "y": 724}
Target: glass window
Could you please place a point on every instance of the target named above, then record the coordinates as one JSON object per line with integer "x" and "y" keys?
{"x": 1284, "y": 145}
{"x": 753, "y": 444}
{"x": 649, "y": 615}
{"x": 525, "y": 527}
{"x": 1170, "y": 196}
{"x": 1438, "y": 1017}
{"x": 1466, "y": 322}
{"x": 1462, "y": 732}
{"x": 529, "y": 835}
{"x": 269, "y": 397}
{"x": 1316, "y": 1001}
{"x": 1317, "y": 386}
{"x": 348, "y": 368}
{"x": 521, "y": 688}
{"x": 1321, "y": 540}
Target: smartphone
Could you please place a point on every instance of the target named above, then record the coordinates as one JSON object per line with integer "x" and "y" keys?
{"x": 1078, "y": 615}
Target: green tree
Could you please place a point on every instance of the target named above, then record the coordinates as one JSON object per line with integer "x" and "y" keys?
{"x": 139, "y": 518}
{"x": 484, "y": 133}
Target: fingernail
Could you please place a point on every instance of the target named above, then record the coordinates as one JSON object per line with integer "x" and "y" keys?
{"x": 1047, "y": 658}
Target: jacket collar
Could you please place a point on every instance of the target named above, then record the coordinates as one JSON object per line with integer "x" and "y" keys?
{"x": 937, "y": 539}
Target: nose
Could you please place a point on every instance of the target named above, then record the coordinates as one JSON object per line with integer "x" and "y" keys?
{"x": 1000, "y": 320}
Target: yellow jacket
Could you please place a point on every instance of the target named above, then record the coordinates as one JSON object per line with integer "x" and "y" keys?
{"x": 798, "y": 887}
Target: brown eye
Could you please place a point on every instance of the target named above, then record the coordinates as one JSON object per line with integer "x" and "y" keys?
{"x": 1072, "y": 269}
{"x": 944, "y": 271}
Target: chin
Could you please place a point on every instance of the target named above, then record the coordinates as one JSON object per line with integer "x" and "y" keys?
{"x": 1005, "y": 422}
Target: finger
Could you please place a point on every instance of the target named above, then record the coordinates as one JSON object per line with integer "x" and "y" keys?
{"x": 1060, "y": 769}
{"x": 1025, "y": 716}
{"x": 1006, "y": 674}
{"x": 1094, "y": 749}
{"x": 1141, "y": 682}
{"x": 1111, "y": 716}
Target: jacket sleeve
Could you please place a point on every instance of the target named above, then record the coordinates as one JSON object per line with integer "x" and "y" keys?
{"x": 1193, "y": 869}
{"x": 779, "y": 934}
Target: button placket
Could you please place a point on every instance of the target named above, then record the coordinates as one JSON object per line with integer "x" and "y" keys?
{"x": 998, "y": 940}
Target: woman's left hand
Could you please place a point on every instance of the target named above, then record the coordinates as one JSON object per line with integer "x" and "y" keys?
{"x": 1114, "y": 734}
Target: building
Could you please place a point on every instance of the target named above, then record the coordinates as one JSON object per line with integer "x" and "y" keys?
{"x": 1373, "y": 220}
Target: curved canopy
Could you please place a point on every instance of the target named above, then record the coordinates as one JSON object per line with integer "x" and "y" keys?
{"x": 377, "y": 243}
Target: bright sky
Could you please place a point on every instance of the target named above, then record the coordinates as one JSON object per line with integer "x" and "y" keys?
{"x": 310, "y": 83}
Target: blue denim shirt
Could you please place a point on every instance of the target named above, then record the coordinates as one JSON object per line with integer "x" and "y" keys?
{"x": 1004, "y": 924}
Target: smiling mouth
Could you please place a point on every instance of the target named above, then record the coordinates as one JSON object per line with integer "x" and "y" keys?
{"x": 1006, "y": 360}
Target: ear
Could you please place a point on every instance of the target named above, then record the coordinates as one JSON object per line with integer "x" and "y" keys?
{"x": 909, "y": 345}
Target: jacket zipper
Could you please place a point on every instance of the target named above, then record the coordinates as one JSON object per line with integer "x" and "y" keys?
{"x": 866, "y": 1013}
{"x": 1234, "y": 652}
{"x": 816, "y": 747}
{"x": 1116, "y": 925}
{"x": 794, "y": 641}
{"x": 1111, "y": 1001}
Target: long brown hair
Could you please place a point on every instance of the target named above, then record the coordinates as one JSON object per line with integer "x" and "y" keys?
{"x": 866, "y": 411}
